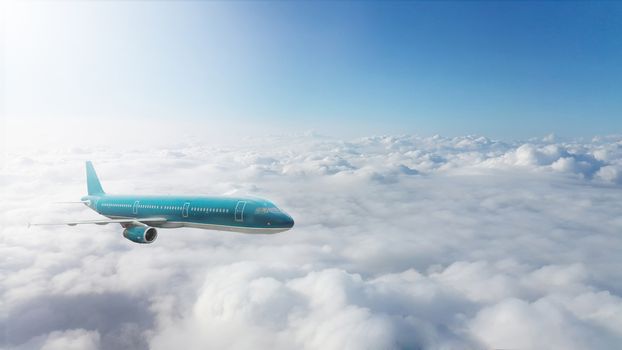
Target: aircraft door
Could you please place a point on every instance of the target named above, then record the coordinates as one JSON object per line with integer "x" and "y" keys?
{"x": 239, "y": 211}
{"x": 184, "y": 211}
{"x": 135, "y": 208}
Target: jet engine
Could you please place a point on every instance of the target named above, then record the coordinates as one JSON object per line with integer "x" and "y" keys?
{"x": 140, "y": 234}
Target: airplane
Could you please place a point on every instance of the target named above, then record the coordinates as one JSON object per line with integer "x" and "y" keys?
{"x": 140, "y": 216}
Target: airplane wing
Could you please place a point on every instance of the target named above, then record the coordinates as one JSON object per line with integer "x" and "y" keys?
{"x": 103, "y": 222}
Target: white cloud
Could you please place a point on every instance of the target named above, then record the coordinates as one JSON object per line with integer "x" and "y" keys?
{"x": 72, "y": 340}
{"x": 610, "y": 173}
{"x": 400, "y": 242}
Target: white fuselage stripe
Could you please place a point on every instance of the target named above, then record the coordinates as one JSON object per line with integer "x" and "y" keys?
{"x": 242, "y": 229}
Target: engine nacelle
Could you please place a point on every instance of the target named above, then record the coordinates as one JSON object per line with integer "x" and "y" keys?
{"x": 141, "y": 234}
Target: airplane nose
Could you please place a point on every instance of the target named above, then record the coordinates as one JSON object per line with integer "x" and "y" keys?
{"x": 278, "y": 220}
{"x": 283, "y": 220}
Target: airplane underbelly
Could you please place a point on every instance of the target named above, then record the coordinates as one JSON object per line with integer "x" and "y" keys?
{"x": 240, "y": 229}
{"x": 170, "y": 225}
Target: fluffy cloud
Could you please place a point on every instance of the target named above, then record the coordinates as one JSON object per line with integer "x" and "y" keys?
{"x": 71, "y": 340}
{"x": 400, "y": 242}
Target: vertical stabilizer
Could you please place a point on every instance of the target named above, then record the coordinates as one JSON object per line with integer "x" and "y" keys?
{"x": 92, "y": 182}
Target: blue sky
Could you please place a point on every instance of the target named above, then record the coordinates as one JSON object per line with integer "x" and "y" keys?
{"x": 504, "y": 70}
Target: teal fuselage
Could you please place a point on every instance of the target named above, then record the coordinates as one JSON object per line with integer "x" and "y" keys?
{"x": 247, "y": 215}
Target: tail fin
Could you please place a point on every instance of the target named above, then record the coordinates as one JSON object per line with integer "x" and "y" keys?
{"x": 92, "y": 182}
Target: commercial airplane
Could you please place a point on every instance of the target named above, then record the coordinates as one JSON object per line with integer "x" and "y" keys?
{"x": 141, "y": 215}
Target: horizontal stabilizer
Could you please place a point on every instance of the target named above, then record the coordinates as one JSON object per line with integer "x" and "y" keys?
{"x": 74, "y": 202}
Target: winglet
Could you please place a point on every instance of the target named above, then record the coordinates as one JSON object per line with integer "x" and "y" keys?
{"x": 92, "y": 182}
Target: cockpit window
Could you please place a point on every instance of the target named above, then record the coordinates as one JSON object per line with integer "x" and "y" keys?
{"x": 266, "y": 210}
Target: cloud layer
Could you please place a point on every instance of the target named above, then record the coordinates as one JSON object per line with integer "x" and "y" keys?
{"x": 400, "y": 242}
